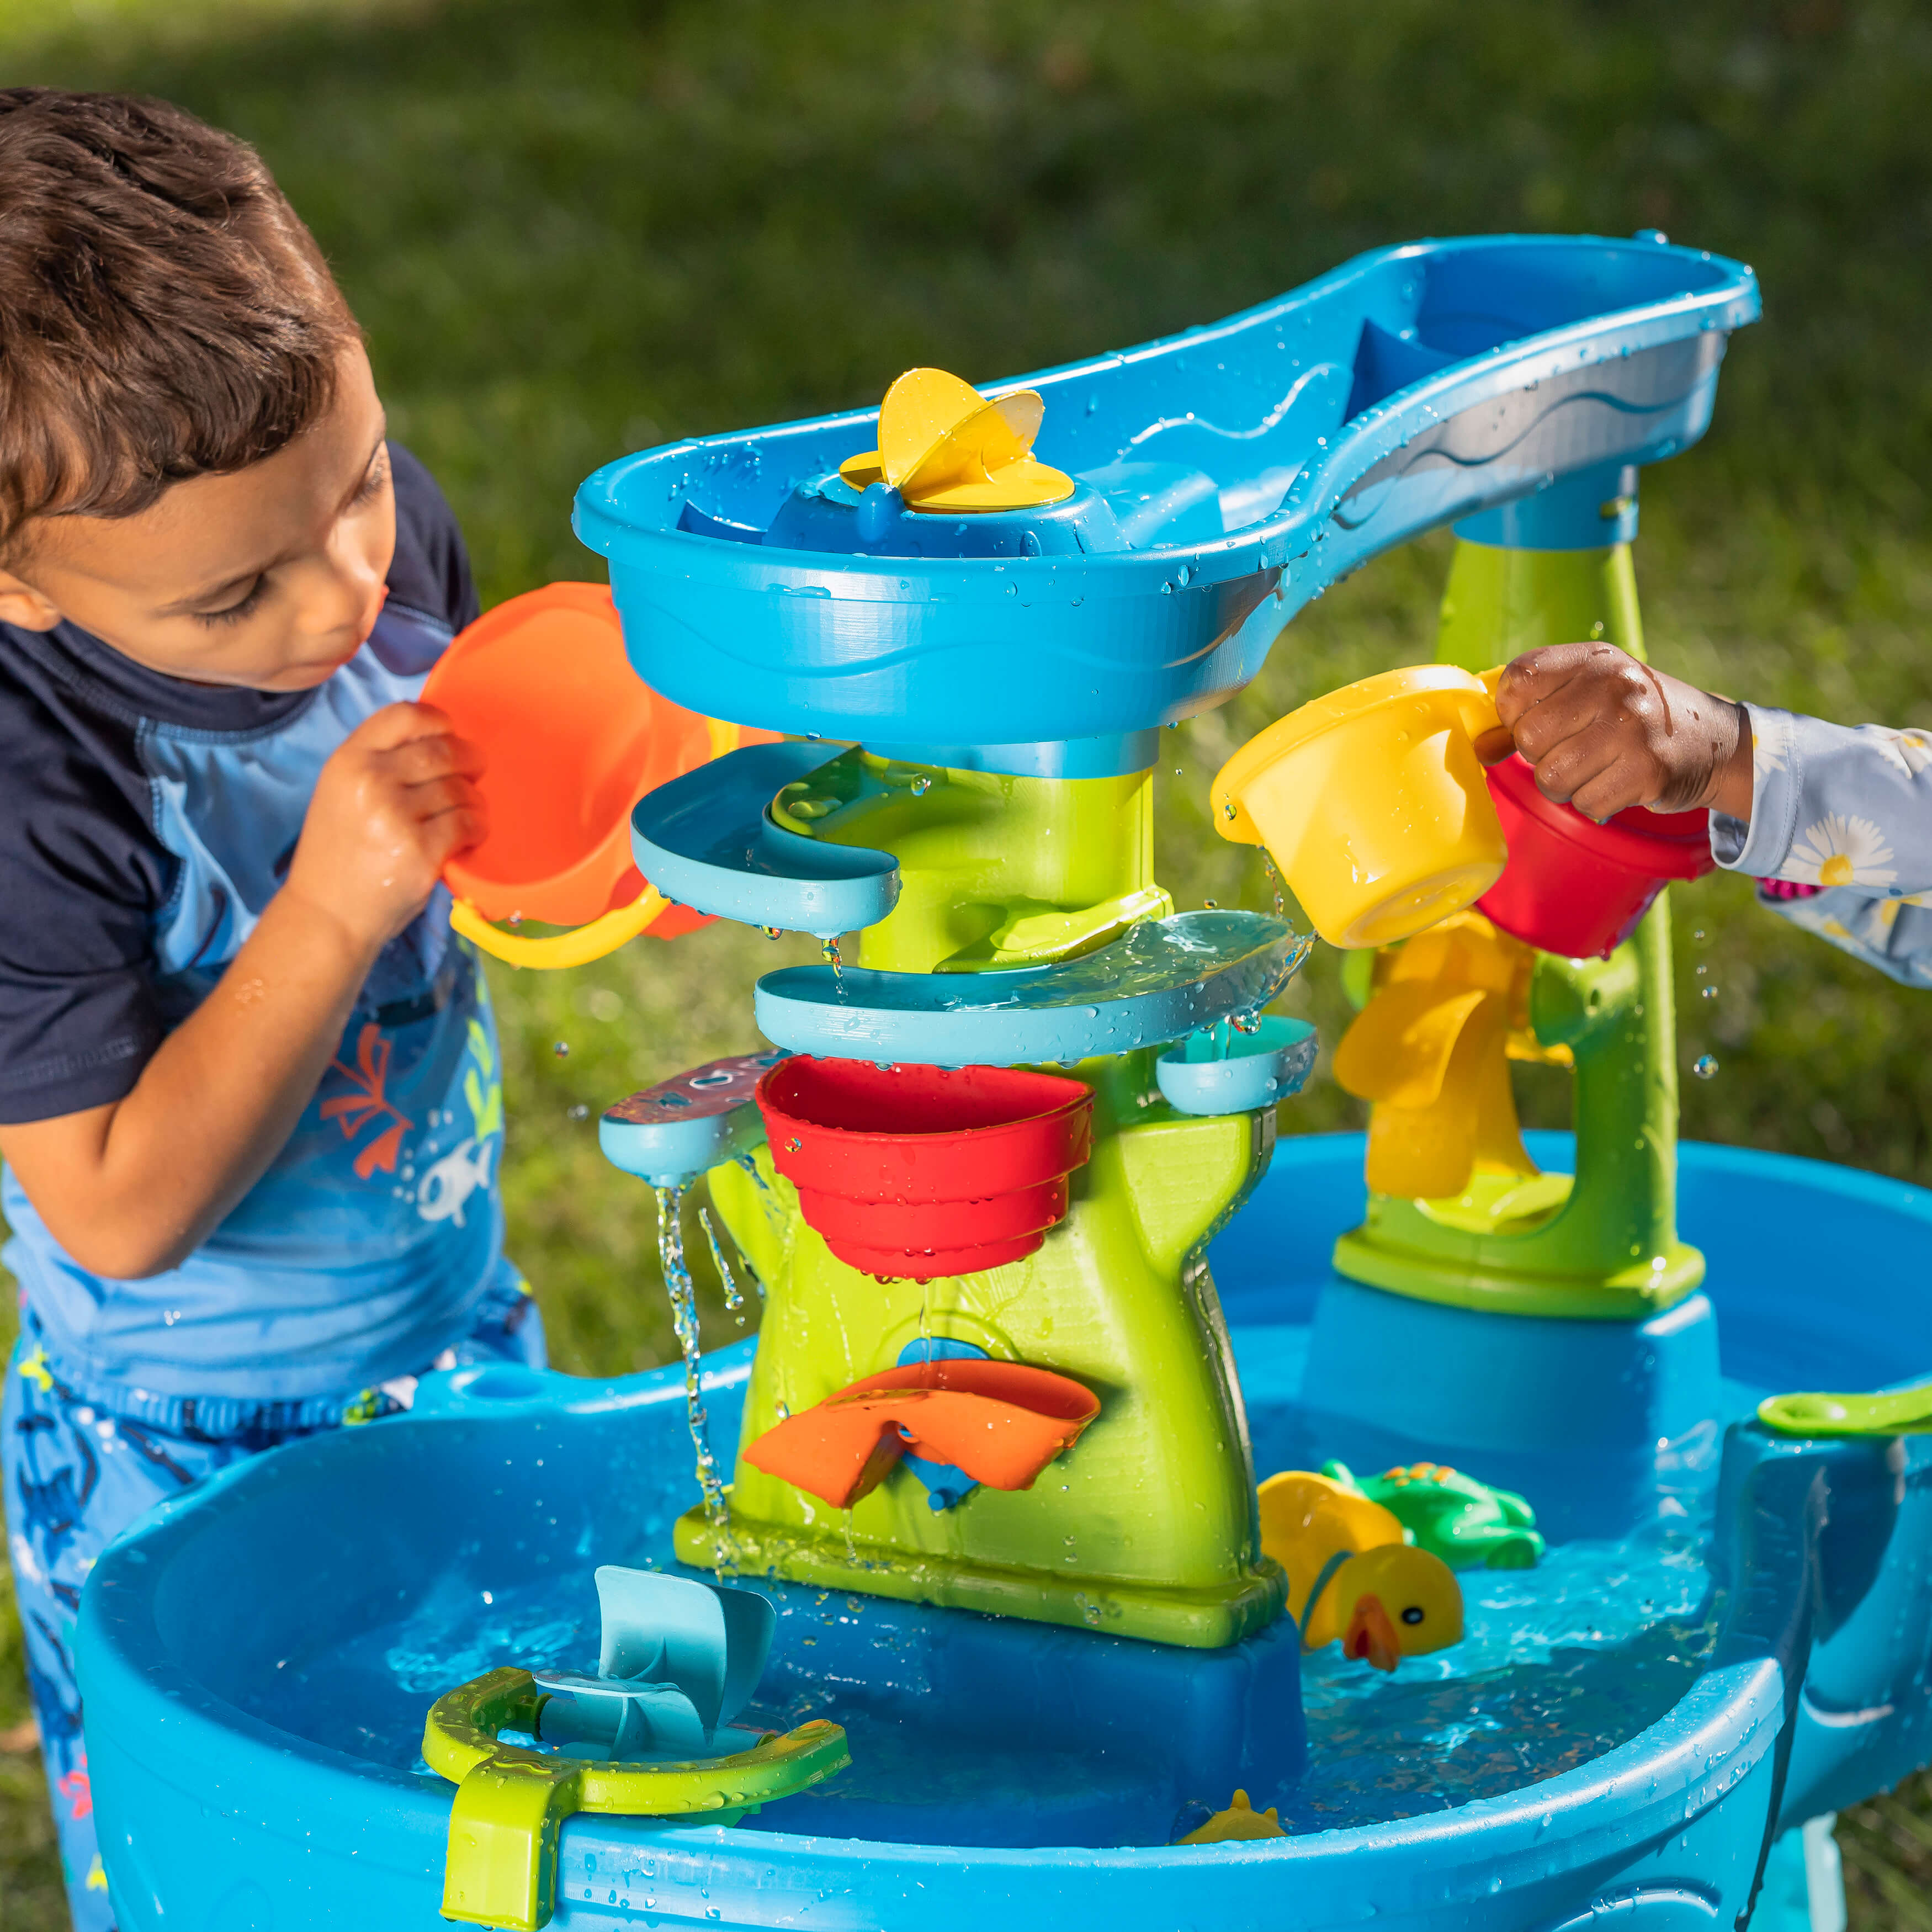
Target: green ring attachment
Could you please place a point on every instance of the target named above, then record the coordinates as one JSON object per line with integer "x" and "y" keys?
{"x": 510, "y": 1801}
{"x": 1898, "y": 1412}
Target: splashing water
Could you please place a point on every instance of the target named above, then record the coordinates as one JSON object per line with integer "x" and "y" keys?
{"x": 734, "y": 1296}
{"x": 1558, "y": 1664}
{"x": 684, "y": 1318}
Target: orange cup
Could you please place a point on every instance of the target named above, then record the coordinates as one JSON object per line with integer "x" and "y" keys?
{"x": 573, "y": 738}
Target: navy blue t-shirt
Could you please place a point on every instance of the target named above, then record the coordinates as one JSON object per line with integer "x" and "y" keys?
{"x": 85, "y": 870}
{"x": 145, "y": 824}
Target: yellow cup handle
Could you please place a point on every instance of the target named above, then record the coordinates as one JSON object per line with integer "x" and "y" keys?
{"x": 576, "y": 948}
{"x": 602, "y": 936}
{"x": 1479, "y": 716}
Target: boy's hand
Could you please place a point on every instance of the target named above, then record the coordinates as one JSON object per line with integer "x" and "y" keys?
{"x": 1605, "y": 732}
{"x": 396, "y": 799}
{"x": 133, "y": 1187}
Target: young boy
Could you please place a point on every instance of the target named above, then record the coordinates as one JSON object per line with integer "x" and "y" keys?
{"x": 248, "y": 1091}
{"x": 1834, "y": 821}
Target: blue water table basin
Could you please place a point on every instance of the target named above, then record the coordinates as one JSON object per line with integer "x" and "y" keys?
{"x": 1627, "y": 1730}
{"x": 1050, "y": 1682}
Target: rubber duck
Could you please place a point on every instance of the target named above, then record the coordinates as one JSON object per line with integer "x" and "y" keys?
{"x": 1240, "y": 1821}
{"x": 1354, "y": 1575}
{"x": 1459, "y": 1519}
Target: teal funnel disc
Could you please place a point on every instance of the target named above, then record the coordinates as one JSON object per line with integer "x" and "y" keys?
{"x": 1164, "y": 979}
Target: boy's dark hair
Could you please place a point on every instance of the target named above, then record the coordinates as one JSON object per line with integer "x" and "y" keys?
{"x": 164, "y": 312}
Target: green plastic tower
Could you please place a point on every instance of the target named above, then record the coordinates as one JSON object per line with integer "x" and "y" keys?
{"x": 1603, "y": 1245}
{"x": 1147, "y": 1527}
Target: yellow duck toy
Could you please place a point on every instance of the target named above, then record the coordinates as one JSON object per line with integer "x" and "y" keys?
{"x": 1240, "y": 1823}
{"x": 1353, "y": 1574}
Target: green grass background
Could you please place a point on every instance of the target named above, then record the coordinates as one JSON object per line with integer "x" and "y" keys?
{"x": 574, "y": 229}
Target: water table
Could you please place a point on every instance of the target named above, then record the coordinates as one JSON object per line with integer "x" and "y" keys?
{"x": 985, "y": 1613}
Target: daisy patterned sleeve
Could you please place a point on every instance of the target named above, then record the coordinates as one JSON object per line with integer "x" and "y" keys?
{"x": 1841, "y": 835}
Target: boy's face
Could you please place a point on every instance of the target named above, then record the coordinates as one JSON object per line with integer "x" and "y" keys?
{"x": 271, "y": 577}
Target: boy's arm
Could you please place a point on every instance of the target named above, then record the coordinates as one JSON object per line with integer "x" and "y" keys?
{"x": 132, "y": 1188}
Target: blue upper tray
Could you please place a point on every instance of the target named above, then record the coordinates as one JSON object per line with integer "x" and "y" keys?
{"x": 1227, "y": 476}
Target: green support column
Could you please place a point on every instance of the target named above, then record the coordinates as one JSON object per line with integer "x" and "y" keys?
{"x": 1607, "y": 1247}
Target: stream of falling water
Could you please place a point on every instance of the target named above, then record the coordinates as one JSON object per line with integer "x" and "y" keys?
{"x": 1274, "y": 883}
{"x": 829, "y": 953}
{"x": 769, "y": 1202}
{"x": 734, "y": 1296}
{"x": 684, "y": 1318}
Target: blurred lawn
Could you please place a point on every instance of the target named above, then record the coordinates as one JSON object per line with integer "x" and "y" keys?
{"x": 575, "y": 230}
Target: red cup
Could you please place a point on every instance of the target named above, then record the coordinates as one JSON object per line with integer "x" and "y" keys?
{"x": 912, "y": 1173}
{"x": 1576, "y": 888}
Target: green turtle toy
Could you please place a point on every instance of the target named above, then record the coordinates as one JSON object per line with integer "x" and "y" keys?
{"x": 1452, "y": 1516}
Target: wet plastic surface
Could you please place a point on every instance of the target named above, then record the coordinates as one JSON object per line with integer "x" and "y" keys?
{"x": 363, "y": 1572}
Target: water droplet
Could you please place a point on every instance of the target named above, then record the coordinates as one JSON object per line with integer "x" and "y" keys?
{"x": 921, "y": 785}
{"x": 1704, "y": 1065}
{"x": 1699, "y": 935}
{"x": 561, "y": 1049}
{"x": 1166, "y": 588}
{"x": 1208, "y": 905}
{"x": 579, "y": 1112}
{"x": 515, "y": 919}
{"x": 1710, "y": 992}
{"x": 773, "y": 931}
{"x": 1177, "y": 771}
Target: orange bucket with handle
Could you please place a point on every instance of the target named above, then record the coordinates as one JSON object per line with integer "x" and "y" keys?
{"x": 573, "y": 739}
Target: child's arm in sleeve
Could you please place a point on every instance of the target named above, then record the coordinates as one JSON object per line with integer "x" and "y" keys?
{"x": 131, "y": 1187}
{"x": 1842, "y": 814}
{"x": 1842, "y": 818}
{"x": 1791, "y": 798}
{"x": 1833, "y": 805}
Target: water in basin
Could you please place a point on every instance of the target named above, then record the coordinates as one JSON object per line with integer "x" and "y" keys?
{"x": 1558, "y": 1664}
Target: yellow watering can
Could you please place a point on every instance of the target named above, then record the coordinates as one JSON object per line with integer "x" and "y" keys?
{"x": 1372, "y": 801}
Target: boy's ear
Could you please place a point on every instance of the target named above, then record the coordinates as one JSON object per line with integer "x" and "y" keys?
{"x": 21, "y": 603}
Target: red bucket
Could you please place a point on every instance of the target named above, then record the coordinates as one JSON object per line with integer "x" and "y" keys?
{"x": 914, "y": 1172}
{"x": 1576, "y": 888}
